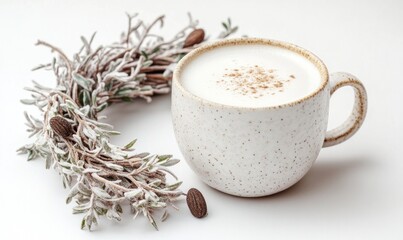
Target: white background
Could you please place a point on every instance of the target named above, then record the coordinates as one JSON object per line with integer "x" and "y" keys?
{"x": 354, "y": 191}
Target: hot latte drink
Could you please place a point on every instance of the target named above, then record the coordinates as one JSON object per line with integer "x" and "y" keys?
{"x": 251, "y": 76}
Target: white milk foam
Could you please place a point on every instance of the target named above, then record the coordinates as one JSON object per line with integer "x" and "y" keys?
{"x": 250, "y": 76}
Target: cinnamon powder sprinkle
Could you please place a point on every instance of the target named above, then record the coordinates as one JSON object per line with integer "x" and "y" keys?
{"x": 255, "y": 81}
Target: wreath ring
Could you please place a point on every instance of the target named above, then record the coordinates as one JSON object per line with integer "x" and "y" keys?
{"x": 72, "y": 139}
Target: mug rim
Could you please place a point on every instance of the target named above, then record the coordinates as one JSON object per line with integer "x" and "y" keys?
{"x": 251, "y": 41}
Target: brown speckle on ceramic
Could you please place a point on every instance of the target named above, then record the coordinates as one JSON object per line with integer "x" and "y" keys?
{"x": 251, "y": 152}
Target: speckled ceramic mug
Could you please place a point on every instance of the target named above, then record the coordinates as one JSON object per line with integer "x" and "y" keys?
{"x": 252, "y": 152}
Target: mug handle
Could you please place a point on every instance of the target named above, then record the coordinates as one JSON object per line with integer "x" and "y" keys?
{"x": 357, "y": 116}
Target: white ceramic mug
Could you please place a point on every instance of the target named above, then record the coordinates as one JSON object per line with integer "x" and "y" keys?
{"x": 253, "y": 152}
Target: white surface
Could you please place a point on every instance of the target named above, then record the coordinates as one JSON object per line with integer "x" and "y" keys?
{"x": 207, "y": 75}
{"x": 354, "y": 191}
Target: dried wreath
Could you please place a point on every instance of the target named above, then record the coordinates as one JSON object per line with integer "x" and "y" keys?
{"x": 101, "y": 176}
